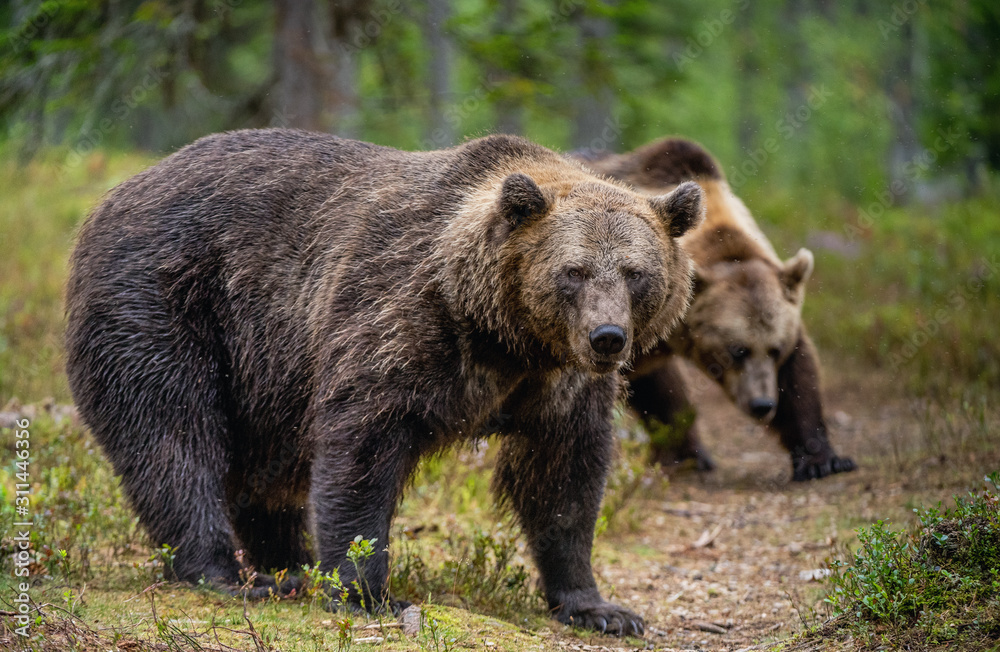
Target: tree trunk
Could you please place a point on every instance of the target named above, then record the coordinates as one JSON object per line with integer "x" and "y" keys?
{"x": 594, "y": 127}
{"x": 347, "y": 37}
{"x": 748, "y": 72}
{"x": 315, "y": 60}
{"x": 301, "y": 76}
{"x": 440, "y": 131}
{"x": 899, "y": 85}
{"x": 507, "y": 108}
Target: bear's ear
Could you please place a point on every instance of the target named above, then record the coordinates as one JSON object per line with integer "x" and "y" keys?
{"x": 795, "y": 273}
{"x": 521, "y": 200}
{"x": 701, "y": 279}
{"x": 681, "y": 209}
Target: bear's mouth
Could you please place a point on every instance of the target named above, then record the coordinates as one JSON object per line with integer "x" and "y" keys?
{"x": 605, "y": 365}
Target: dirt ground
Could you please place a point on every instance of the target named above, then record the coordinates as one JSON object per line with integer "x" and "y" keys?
{"x": 730, "y": 558}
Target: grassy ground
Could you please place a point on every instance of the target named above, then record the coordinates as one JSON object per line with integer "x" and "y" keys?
{"x": 726, "y": 561}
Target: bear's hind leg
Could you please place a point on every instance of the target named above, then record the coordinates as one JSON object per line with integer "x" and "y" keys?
{"x": 175, "y": 486}
{"x": 153, "y": 400}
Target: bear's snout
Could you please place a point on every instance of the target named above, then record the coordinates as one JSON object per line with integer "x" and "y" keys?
{"x": 761, "y": 407}
{"x": 608, "y": 339}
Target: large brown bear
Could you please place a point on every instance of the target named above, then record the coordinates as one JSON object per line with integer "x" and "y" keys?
{"x": 744, "y": 328}
{"x": 268, "y": 329}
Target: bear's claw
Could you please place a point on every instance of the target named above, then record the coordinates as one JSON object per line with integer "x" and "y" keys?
{"x": 806, "y": 469}
{"x": 606, "y": 618}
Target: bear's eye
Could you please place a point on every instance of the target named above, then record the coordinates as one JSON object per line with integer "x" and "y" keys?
{"x": 774, "y": 353}
{"x": 738, "y": 352}
{"x": 575, "y": 273}
{"x": 634, "y": 275}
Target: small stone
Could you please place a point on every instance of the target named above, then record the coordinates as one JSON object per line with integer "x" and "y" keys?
{"x": 815, "y": 574}
{"x": 410, "y": 620}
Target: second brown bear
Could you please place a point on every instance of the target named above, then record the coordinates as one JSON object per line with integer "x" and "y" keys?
{"x": 744, "y": 328}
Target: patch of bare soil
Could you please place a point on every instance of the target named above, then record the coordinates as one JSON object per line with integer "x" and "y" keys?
{"x": 734, "y": 558}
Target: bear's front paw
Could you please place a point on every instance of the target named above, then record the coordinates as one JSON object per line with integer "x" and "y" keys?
{"x": 263, "y": 586}
{"x": 604, "y": 617}
{"x": 812, "y": 469}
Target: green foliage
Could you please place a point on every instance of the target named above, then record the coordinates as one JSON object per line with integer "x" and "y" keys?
{"x": 670, "y": 435}
{"x": 155, "y": 74}
{"x": 88, "y": 71}
{"x": 482, "y": 576}
{"x": 917, "y": 296}
{"x": 938, "y": 584}
{"x": 962, "y": 83}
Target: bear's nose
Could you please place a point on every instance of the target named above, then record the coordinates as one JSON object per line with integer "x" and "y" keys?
{"x": 607, "y": 339}
{"x": 761, "y": 407}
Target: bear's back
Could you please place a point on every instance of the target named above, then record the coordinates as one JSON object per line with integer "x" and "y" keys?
{"x": 728, "y": 232}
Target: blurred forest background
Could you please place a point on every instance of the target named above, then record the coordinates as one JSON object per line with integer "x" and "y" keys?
{"x": 869, "y": 131}
{"x": 851, "y": 91}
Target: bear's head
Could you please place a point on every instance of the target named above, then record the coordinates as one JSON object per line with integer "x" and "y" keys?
{"x": 593, "y": 268}
{"x": 743, "y": 324}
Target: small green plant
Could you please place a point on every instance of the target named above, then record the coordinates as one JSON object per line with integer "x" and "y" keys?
{"x": 72, "y": 601}
{"x": 441, "y": 641}
{"x": 57, "y": 563}
{"x": 163, "y": 559}
{"x": 359, "y": 552}
{"x": 318, "y": 584}
{"x": 158, "y": 567}
{"x": 345, "y": 635}
{"x": 938, "y": 584}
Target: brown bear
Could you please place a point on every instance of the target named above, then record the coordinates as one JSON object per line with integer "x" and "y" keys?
{"x": 269, "y": 328}
{"x": 744, "y": 328}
